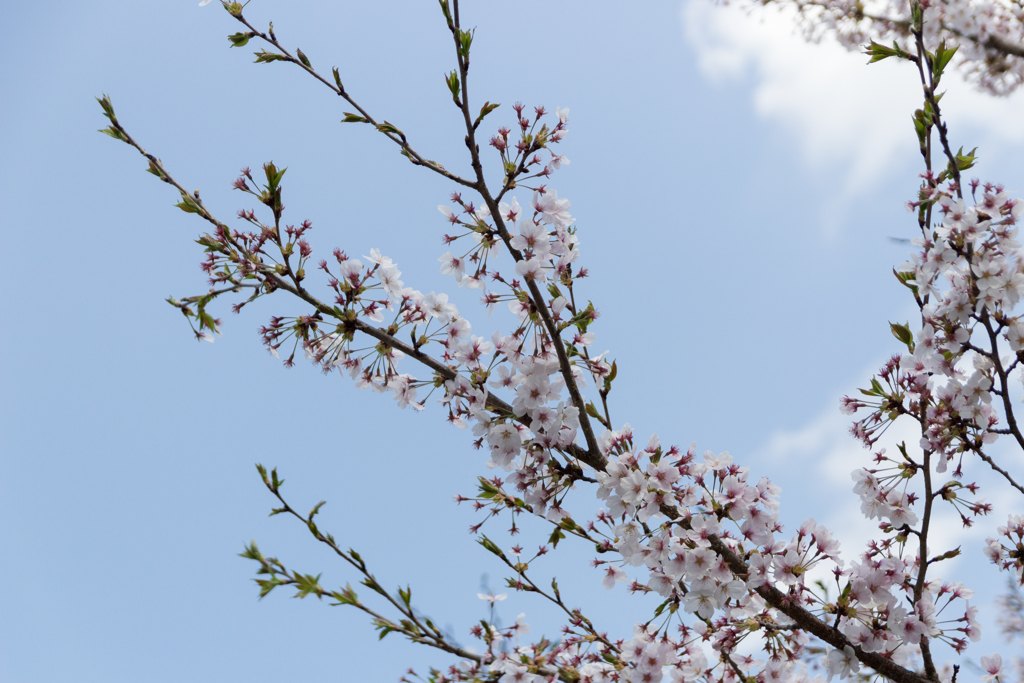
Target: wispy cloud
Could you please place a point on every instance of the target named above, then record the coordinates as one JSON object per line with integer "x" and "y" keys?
{"x": 840, "y": 112}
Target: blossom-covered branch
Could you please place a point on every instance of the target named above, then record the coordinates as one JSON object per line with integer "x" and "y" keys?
{"x": 697, "y": 530}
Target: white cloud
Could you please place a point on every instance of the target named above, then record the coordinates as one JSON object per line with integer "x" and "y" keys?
{"x": 840, "y": 112}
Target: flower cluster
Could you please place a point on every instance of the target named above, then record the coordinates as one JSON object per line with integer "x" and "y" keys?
{"x": 1008, "y": 553}
{"x": 967, "y": 277}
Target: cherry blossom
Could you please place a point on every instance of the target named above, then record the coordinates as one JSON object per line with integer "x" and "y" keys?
{"x": 992, "y": 665}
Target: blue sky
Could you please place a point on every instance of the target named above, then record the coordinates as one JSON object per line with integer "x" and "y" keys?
{"x": 735, "y": 191}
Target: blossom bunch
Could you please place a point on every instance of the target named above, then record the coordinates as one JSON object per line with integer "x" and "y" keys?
{"x": 1008, "y": 552}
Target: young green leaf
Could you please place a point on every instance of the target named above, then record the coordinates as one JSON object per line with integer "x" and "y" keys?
{"x": 267, "y": 57}
{"x": 188, "y": 205}
{"x": 490, "y": 546}
{"x": 108, "y": 108}
{"x": 114, "y": 133}
{"x": 878, "y": 52}
{"x": 484, "y": 111}
{"x": 240, "y": 39}
{"x": 903, "y": 333}
{"x": 452, "y": 80}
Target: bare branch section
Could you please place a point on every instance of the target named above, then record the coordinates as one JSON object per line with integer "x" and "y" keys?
{"x": 390, "y": 131}
{"x": 412, "y": 624}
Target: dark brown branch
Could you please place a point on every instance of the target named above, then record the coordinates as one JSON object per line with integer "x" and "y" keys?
{"x": 398, "y": 138}
{"x": 535, "y": 293}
